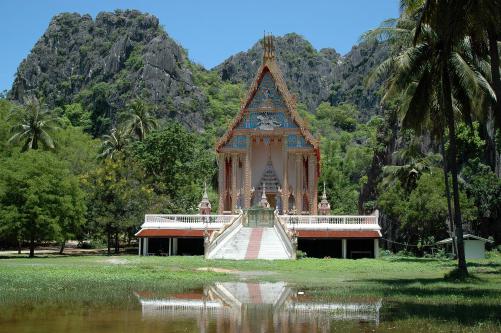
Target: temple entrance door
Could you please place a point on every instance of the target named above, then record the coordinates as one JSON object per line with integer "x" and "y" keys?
{"x": 271, "y": 197}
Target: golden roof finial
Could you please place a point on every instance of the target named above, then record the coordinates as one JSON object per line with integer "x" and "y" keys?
{"x": 268, "y": 47}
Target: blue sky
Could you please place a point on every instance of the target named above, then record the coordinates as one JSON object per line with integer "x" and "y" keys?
{"x": 210, "y": 30}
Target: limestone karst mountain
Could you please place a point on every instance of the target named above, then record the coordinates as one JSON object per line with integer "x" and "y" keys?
{"x": 104, "y": 62}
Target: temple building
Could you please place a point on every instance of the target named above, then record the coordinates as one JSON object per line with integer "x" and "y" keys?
{"x": 268, "y": 147}
{"x": 269, "y": 166}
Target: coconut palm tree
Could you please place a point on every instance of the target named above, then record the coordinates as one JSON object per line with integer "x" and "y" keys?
{"x": 414, "y": 164}
{"x": 114, "y": 144}
{"x": 438, "y": 79}
{"x": 34, "y": 125}
{"x": 139, "y": 119}
{"x": 451, "y": 64}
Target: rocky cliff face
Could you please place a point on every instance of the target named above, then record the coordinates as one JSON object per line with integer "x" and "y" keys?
{"x": 127, "y": 50}
{"x": 314, "y": 76}
{"x": 105, "y": 62}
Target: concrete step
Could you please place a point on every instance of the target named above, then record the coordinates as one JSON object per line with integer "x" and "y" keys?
{"x": 252, "y": 243}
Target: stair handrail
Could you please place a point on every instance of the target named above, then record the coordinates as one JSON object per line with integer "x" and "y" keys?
{"x": 288, "y": 237}
{"x": 215, "y": 238}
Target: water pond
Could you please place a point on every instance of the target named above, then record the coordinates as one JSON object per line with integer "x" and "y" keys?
{"x": 220, "y": 307}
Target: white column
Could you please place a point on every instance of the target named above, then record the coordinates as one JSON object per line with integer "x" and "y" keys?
{"x": 247, "y": 175}
{"x": 376, "y": 247}
{"x": 299, "y": 183}
{"x": 174, "y": 246}
{"x": 285, "y": 182}
{"x": 139, "y": 250}
{"x": 170, "y": 246}
{"x": 145, "y": 246}
{"x": 344, "y": 247}
{"x": 221, "y": 181}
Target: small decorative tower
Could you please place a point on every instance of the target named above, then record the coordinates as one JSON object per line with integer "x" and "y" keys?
{"x": 264, "y": 201}
{"x": 324, "y": 208}
{"x": 204, "y": 207}
{"x": 268, "y": 48}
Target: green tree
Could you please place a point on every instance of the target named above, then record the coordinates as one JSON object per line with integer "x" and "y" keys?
{"x": 118, "y": 199}
{"x": 436, "y": 76}
{"x": 343, "y": 116}
{"x": 39, "y": 198}
{"x": 484, "y": 187}
{"x": 77, "y": 116}
{"x": 95, "y": 101}
{"x": 33, "y": 126}
{"x": 177, "y": 163}
{"x": 139, "y": 119}
{"x": 113, "y": 145}
{"x": 442, "y": 45}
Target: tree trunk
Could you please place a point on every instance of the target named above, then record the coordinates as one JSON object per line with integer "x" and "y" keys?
{"x": 32, "y": 246}
{"x": 19, "y": 246}
{"x": 108, "y": 231}
{"x": 453, "y": 167}
{"x": 117, "y": 243}
{"x": 496, "y": 77}
{"x": 448, "y": 192}
{"x": 61, "y": 249}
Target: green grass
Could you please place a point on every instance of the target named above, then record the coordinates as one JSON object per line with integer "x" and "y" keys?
{"x": 413, "y": 290}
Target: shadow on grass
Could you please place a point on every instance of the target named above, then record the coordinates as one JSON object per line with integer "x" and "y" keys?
{"x": 465, "y": 314}
{"x": 435, "y": 287}
{"x": 418, "y": 260}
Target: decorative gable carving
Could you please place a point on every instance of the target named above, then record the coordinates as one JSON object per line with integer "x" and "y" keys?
{"x": 267, "y": 96}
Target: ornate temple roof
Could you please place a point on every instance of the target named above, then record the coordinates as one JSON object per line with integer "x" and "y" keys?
{"x": 270, "y": 65}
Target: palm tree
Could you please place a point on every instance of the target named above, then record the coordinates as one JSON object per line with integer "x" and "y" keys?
{"x": 35, "y": 122}
{"x": 139, "y": 120}
{"x": 447, "y": 61}
{"x": 415, "y": 163}
{"x": 436, "y": 78}
{"x": 114, "y": 144}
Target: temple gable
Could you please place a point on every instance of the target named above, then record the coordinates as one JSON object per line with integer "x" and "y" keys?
{"x": 267, "y": 96}
{"x": 267, "y": 149}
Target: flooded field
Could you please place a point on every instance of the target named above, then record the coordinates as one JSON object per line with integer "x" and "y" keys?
{"x": 189, "y": 294}
{"x": 219, "y": 307}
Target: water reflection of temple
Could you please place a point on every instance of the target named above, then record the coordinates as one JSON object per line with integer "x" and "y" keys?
{"x": 257, "y": 307}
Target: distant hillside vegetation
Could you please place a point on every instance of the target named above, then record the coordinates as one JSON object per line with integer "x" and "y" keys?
{"x": 105, "y": 62}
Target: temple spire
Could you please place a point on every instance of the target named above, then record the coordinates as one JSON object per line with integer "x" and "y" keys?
{"x": 268, "y": 48}
{"x": 204, "y": 207}
{"x": 324, "y": 208}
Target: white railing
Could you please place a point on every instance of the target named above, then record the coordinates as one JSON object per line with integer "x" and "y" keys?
{"x": 329, "y": 219}
{"x": 165, "y": 219}
{"x": 285, "y": 235}
{"x": 219, "y": 236}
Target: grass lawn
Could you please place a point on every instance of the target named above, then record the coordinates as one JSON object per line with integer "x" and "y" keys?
{"x": 414, "y": 291}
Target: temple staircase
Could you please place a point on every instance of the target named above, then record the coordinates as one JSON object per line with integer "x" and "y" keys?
{"x": 252, "y": 243}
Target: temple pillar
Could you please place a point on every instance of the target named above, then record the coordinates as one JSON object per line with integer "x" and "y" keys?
{"x": 312, "y": 183}
{"x": 376, "y": 247}
{"x": 299, "y": 183}
{"x": 221, "y": 181}
{"x": 145, "y": 246}
{"x": 285, "y": 182}
{"x": 247, "y": 175}
{"x": 174, "y": 246}
{"x": 234, "y": 168}
{"x": 344, "y": 248}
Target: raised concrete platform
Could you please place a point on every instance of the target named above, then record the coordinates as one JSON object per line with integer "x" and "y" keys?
{"x": 252, "y": 243}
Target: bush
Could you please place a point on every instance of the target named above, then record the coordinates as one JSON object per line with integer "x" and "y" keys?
{"x": 301, "y": 254}
{"x": 439, "y": 254}
{"x": 405, "y": 253}
{"x": 385, "y": 253}
{"x": 87, "y": 245}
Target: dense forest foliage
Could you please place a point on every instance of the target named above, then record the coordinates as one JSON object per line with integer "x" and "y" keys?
{"x": 89, "y": 165}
